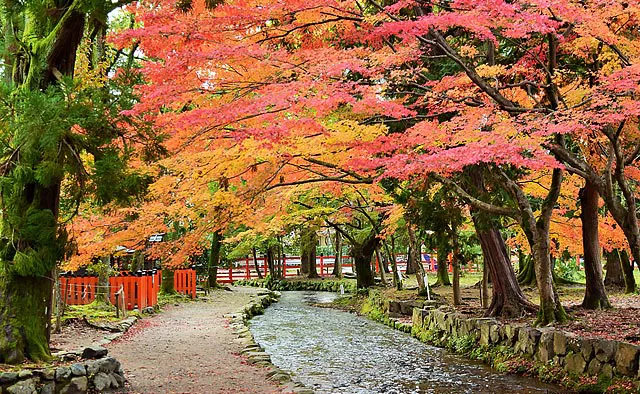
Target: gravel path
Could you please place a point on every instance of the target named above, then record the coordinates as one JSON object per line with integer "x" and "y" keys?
{"x": 189, "y": 349}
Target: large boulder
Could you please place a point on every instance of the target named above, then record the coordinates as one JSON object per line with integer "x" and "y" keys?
{"x": 574, "y": 363}
{"x": 23, "y": 387}
{"x": 626, "y": 359}
{"x": 93, "y": 352}
{"x": 605, "y": 350}
{"x": 77, "y": 385}
{"x": 559, "y": 343}
{"x": 545, "y": 346}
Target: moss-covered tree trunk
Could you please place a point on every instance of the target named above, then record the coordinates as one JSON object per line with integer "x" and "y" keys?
{"x": 526, "y": 272}
{"x": 104, "y": 270}
{"x": 35, "y": 60}
{"x": 214, "y": 260}
{"x": 595, "y": 296}
{"x": 167, "y": 281}
{"x": 24, "y": 318}
{"x": 362, "y": 254}
{"x": 308, "y": 245}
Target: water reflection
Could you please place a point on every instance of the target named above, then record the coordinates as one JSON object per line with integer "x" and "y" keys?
{"x": 338, "y": 352}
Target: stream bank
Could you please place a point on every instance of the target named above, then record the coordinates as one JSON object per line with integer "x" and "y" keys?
{"x": 332, "y": 351}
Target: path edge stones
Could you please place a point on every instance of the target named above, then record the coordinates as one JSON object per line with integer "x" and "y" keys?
{"x": 255, "y": 354}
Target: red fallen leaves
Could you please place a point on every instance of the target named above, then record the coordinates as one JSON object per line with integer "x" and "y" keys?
{"x": 136, "y": 329}
{"x": 620, "y": 324}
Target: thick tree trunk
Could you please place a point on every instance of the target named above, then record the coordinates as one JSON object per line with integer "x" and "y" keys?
{"x": 337, "y": 264}
{"x": 411, "y": 266}
{"x": 271, "y": 261}
{"x": 526, "y": 272}
{"x": 614, "y": 277}
{"x": 551, "y": 309}
{"x": 595, "y": 296}
{"x": 362, "y": 254}
{"x": 308, "y": 244}
{"x": 167, "y": 281}
{"x": 485, "y": 285}
{"x": 254, "y": 254}
{"x": 214, "y": 260}
{"x": 443, "y": 263}
{"x": 24, "y": 318}
{"x": 507, "y": 299}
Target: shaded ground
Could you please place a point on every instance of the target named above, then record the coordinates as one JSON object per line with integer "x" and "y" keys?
{"x": 189, "y": 349}
{"x": 75, "y": 335}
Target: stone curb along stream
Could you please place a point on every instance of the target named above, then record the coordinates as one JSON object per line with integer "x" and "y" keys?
{"x": 252, "y": 350}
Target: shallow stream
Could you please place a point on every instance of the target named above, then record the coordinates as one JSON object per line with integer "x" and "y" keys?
{"x": 337, "y": 352}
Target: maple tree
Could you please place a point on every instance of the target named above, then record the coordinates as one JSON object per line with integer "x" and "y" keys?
{"x": 493, "y": 91}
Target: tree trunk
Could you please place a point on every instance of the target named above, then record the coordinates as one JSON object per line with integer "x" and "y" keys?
{"x": 271, "y": 261}
{"x": 627, "y": 270}
{"x": 507, "y": 299}
{"x": 595, "y": 296}
{"x": 337, "y": 264}
{"x": 362, "y": 254}
{"x": 24, "y": 318}
{"x": 485, "y": 286}
{"x": 383, "y": 280}
{"x": 308, "y": 244}
{"x": 614, "y": 277}
{"x": 214, "y": 260}
{"x": 551, "y": 309}
{"x": 104, "y": 271}
{"x": 457, "y": 298}
{"x": 167, "y": 281}
{"x": 443, "y": 265}
{"x": 411, "y": 266}
{"x": 254, "y": 254}
{"x": 413, "y": 259}
{"x": 526, "y": 273}
{"x": 397, "y": 281}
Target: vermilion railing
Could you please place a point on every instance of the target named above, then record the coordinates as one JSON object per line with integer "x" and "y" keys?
{"x": 140, "y": 288}
{"x": 245, "y": 269}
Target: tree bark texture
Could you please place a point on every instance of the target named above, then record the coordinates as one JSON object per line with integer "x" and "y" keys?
{"x": 337, "y": 264}
{"x": 214, "y": 259}
{"x": 614, "y": 277}
{"x": 595, "y": 296}
{"x": 507, "y": 299}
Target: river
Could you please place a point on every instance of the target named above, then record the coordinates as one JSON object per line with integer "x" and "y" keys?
{"x": 337, "y": 352}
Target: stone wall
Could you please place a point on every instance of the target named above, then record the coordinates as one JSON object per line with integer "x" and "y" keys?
{"x": 101, "y": 374}
{"x": 576, "y": 355}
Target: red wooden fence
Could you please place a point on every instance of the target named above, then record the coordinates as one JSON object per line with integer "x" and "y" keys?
{"x": 140, "y": 289}
{"x": 244, "y": 269}
{"x": 184, "y": 282}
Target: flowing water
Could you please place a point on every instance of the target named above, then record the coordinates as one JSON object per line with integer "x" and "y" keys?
{"x": 337, "y": 352}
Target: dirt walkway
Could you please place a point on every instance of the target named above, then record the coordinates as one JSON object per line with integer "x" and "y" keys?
{"x": 189, "y": 349}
